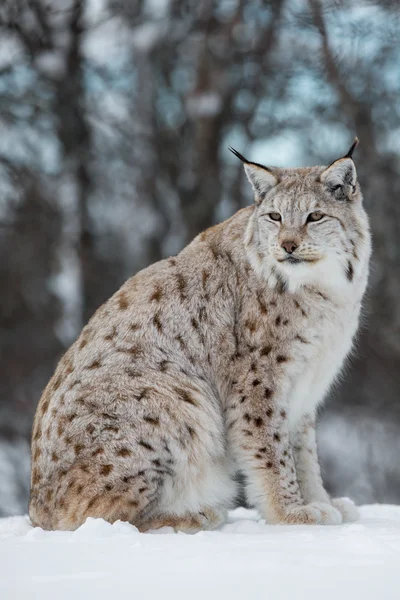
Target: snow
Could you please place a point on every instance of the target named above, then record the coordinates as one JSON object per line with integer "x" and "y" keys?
{"x": 243, "y": 559}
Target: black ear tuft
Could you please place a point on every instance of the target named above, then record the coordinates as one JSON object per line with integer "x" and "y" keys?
{"x": 240, "y": 156}
{"x": 352, "y": 148}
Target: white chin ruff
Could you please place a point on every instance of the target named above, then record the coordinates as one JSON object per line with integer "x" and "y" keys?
{"x": 328, "y": 272}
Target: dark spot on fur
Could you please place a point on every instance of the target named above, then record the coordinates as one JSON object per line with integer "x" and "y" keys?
{"x": 108, "y": 487}
{"x": 38, "y": 434}
{"x": 299, "y": 338}
{"x": 152, "y": 420}
{"x": 78, "y": 449}
{"x": 262, "y": 305}
{"x": 91, "y": 503}
{"x": 247, "y": 417}
{"x": 124, "y": 452}
{"x": 195, "y": 323}
{"x": 157, "y": 294}
{"x": 282, "y": 462}
{"x": 45, "y": 406}
{"x": 280, "y": 358}
{"x": 265, "y": 350}
{"x": 185, "y": 396}
{"x": 181, "y": 342}
{"x": 258, "y": 455}
{"x": 157, "y": 323}
{"x": 143, "y": 393}
{"x": 163, "y": 365}
{"x": 243, "y": 399}
{"x": 57, "y": 383}
{"x": 142, "y": 489}
{"x": 258, "y": 422}
{"x": 350, "y": 271}
{"x": 285, "y": 322}
{"x": 123, "y": 301}
{"x": 54, "y": 457}
{"x": 182, "y": 285}
{"x": 278, "y": 320}
{"x": 277, "y": 437}
{"x": 112, "y": 428}
{"x": 106, "y": 469}
{"x": 94, "y": 365}
{"x": 36, "y": 477}
{"x": 281, "y": 285}
{"x": 283, "y": 414}
{"x": 272, "y": 303}
{"x": 248, "y": 433}
{"x": 297, "y": 305}
{"x": 253, "y": 366}
{"x": 255, "y": 382}
{"x": 214, "y": 250}
{"x": 83, "y": 343}
{"x": 71, "y": 417}
{"x": 251, "y": 325}
{"x": 267, "y": 392}
{"x": 321, "y": 295}
{"x": 98, "y": 451}
{"x": 204, "y": 277}
{"x": 269, "y": 412}
{"x": 110, "y": 336}
{"x": 146, "y": 445}
{"x": 131, "y": 372}
{"x": 264, "y": 450}
{"x": 133, "y": 351}
{"x": 269, "y": 465}
{"x": 202, "y": 313}
{"x": 191, "y": 431}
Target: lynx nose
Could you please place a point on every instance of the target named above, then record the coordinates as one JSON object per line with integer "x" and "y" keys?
{"x": 290, "y": 247}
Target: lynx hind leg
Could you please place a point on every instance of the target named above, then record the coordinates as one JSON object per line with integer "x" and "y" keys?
{"x": 206, "y": 519}
{"x": 105, "y": 494}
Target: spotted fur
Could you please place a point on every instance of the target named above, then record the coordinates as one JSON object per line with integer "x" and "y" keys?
{"x": 211, "y": 362}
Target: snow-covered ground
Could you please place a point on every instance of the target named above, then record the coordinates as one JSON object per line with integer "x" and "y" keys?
{"x": 245, "y": 559}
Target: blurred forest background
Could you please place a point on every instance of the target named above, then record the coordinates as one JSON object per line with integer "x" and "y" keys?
{"x": 115, "y": 118}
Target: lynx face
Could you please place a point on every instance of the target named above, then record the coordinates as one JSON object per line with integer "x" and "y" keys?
{"x": 307, "y": 223}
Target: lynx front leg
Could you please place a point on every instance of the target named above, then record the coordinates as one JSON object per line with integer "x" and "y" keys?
{"x": 308, "y": 471}
{"x": 258, "y": 433}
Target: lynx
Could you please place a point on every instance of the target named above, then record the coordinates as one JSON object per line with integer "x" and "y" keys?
{"x": 209, "y": 363}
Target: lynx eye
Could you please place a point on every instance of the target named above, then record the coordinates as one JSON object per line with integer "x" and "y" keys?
{"x": 314, "y": 216}
{"x": 275, "y": 216}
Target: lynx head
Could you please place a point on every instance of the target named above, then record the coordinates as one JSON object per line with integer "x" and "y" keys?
{"x": 308, "y": 224}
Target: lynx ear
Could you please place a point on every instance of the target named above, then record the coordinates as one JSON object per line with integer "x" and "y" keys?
{"x": 260, "y": 177}
{"x": 341, "y": 175}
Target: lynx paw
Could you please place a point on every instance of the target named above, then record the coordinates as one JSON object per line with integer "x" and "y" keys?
{"x": 315, "y": 513}
{"x": 347, "y": 509}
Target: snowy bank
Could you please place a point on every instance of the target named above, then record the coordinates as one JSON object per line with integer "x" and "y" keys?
{"x": 244, "y": 559}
